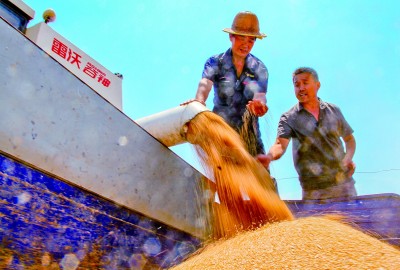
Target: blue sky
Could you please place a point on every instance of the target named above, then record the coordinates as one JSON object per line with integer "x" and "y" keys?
{"x": 160, "y": 47}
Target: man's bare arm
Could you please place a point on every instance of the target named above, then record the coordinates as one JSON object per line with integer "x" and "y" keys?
{"x": 275, "y": 152}
{"x": 203, "y": 90}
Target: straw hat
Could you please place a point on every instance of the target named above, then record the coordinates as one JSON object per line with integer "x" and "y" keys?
{"x": 245, "y": 23}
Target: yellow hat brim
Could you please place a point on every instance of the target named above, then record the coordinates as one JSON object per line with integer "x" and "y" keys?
{"x": 257, "y": 35}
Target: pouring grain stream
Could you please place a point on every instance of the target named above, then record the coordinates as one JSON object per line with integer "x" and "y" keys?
{"x": 247, "y": 199}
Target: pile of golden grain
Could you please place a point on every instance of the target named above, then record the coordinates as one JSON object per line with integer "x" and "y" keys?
{"x": 306, "y": 243}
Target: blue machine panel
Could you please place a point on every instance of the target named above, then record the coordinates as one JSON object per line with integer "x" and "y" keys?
{"x": 44, "y": 220}
{"x": 376, "y": 214}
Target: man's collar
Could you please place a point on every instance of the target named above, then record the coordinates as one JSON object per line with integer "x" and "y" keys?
{"x": 322, "y": 105}
{"x": 226, "y": 58}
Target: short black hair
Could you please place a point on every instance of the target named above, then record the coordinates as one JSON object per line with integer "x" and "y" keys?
{"x": 308, "y": 70}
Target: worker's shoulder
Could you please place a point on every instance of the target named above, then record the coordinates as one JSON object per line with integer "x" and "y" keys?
{"x": 329, "y": 106}
{"x": 295, "y": 109}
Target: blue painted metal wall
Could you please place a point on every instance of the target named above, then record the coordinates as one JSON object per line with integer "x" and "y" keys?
{"x": 376, "y": 214}
{"x": 46, "y": 221}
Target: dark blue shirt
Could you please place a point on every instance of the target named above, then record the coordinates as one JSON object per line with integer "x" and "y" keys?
{"x": 232, "y": 93}
{"x": 317, "y": 148}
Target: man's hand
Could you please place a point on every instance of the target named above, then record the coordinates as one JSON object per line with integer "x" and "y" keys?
{"x": 349, "y": 167}
{"x": 192, "y": 100}
{"x": 265, "y": 160}
{"x": 257, "y": 108}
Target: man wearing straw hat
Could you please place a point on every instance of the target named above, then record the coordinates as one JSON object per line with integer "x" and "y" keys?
{"x": 239, "y": 78}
